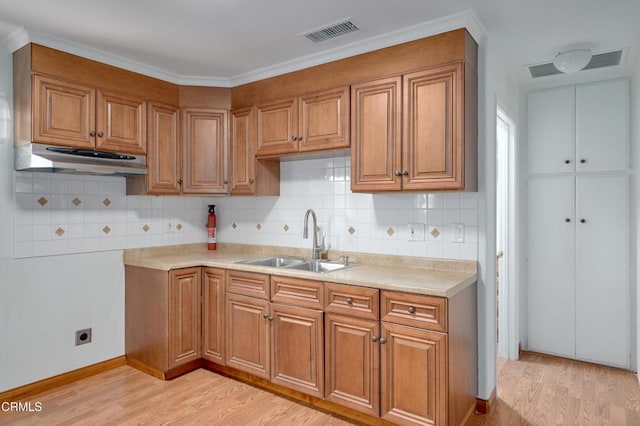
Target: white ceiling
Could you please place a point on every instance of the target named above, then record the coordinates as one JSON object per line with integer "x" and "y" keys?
{"x": 234, "y": 41}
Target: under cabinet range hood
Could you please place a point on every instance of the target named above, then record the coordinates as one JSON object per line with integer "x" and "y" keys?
{"x": 36, "y": 157}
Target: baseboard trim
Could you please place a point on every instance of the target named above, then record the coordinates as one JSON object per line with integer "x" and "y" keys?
{"x": 579, "y": 361}
{"x": 484, "y": 406}
{"x": 31, "y": 389}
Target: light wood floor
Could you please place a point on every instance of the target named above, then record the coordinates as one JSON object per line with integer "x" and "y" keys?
{"x": 535, "y": 390}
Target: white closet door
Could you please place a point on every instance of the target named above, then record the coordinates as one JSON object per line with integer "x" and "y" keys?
{"x": 602, "y": 270}
{"x": 551, "y": 265}
{"x": 601, "y": 126}
{"x": 551, "y": 137}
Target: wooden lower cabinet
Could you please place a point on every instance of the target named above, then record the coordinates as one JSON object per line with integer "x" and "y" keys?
{"x": 248, "y": 342}
{"x": 414, "y": 373}
{"x": 297, "y": 348}
{"x": 352, "y": 358}
{"x": 213, "y": 332}
{"x": 184, "y": 316}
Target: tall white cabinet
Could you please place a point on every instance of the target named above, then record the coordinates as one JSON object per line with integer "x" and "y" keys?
{"x": 578, "y": 223}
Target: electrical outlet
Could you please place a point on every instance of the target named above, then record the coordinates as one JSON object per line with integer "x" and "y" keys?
{"x": 458, "y": 232}
{"x": 83, "y": 336}
{"x": 416, "y": 231}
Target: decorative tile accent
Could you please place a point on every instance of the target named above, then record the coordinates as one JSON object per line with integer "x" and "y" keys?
{"x": 285, "y": 227}
{"x": 435, "y": 233}
{"x": 146, "y": 228}
{"x": 234, "y": 226}
{"x": 42, "y": 201}
{"x": 179, "y": 226}
{"x": 106, "y": 229}
{"x": 351, "y": 230}
{"x": 390, "y": 231}
{"x": 106, "y": 202}
{"x": 76, "y": 201}
{"x": 258, "y": 227}
{"x": 59, "y": 232}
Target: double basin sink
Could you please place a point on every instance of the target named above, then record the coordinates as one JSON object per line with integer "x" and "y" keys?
{"x": 318, "y": 266}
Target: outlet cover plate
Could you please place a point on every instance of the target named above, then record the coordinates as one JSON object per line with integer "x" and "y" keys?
{"x": 83, "y": 336}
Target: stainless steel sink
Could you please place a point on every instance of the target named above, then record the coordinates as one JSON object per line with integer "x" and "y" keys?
{"x": 321, "y": 266}
{"x": 274, "y": 261}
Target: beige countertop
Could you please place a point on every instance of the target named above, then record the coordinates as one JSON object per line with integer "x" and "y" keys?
{"x": 432, "y": 277}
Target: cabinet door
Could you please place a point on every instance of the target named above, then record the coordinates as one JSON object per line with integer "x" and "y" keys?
{"x": 551, "y": 135}
{"x": 602, "y": 270}
{"x": 433, "y": 129}
{"x": 121, "y": 124}
{"x": 551, "y": 267}
{"x": 213, "y": 315}
{"x": 602, "y": 126}
{"x": 414, "y": 375}
{"x": 243, "y": 150}
{"x": 297, "y": 340}
{"x": 324, "y": 120}
{"x": 163, "y": 158}
{"x": 63, "y": 113}
{"x": 376, "y": 131}
{"x": 205, "y": 149}
{"x": 352, "y": 363}
{"x": 184, "y": 316}
{"x": 278, "y": 128}
{"x": 248, "y": 347}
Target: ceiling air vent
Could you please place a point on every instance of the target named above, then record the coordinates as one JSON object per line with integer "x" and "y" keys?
{"x": 600, "y": 60}
{"x": 332, "y": 31}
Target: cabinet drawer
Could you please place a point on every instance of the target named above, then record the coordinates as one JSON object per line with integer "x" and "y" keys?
{"x": 415, "y": 310}
{"x": 294, "y": 291}
{"x": 249, "y": 284}
{"x": 360, "y": 302}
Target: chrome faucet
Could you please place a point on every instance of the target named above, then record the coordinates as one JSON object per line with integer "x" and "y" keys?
{"x": 305, "y": 234}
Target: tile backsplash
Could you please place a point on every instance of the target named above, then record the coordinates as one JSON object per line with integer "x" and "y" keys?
{"x": 62, "y": 214}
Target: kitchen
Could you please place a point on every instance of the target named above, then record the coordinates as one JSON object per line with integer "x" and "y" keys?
{"x": 27, "y": 304}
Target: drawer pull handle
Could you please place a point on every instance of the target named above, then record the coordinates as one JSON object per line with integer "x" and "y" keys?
{"x": 374, "y": 339}
{"x": 383, "y": 340}
{"x": 349, "y": 301}
{"x": 411, "y": 310}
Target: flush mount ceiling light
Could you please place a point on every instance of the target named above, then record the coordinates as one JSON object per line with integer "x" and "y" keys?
{"x": 572, "y": 60}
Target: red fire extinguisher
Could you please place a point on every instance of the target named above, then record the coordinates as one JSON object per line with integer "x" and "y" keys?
{"x": 211, "y": 228}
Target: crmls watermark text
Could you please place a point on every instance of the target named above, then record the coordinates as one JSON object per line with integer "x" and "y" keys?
{"x": 30, "y": 407}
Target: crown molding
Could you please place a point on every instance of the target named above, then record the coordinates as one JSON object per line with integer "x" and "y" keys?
{"x": 465, "y": 19}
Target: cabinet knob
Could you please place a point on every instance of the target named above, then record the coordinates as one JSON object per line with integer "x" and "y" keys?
{"x": 299, "y": 138}
{"x": 294, "y": 138}
{"x": 583, "y": 161}
{"x": 567, "y": 220}
{"x": 383, "y": 340}
{"x": 265, "y": 315}
{"x": 567, "y": 161}
{"x": 270, "y": 318}
{"x": 374, "y": 339}
{"x": 349, "y": 301}
{"x": 100, "y": 134}
{"x": 411, "y": 310}
{"x": 251, "y": 181}
{"x": 405, "y": 173}
{"x": 397, "y": 173}
{"x": 583, "y": 220}
{"x": 92, "y": 133}
{"x": 226, "y": 181}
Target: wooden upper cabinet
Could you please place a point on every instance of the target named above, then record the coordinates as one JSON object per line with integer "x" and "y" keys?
{"x": 205, "y": 151}
{"x": 121, "y": 125}
{"x": 324, "y": 120}
{"x": 433, "y": 129}
{"x": 163, "y": 157}
{"x": 64, "y": 113}
{"x": 313, "y": 122}
{"x": 184, "y": 316}
{"x": 438, "y": 122}
{"x": 243, "y": 142}
{"x": 278, "y": 127}
{"x": 76, "y": 115}
{"x": 376, "y": 130}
